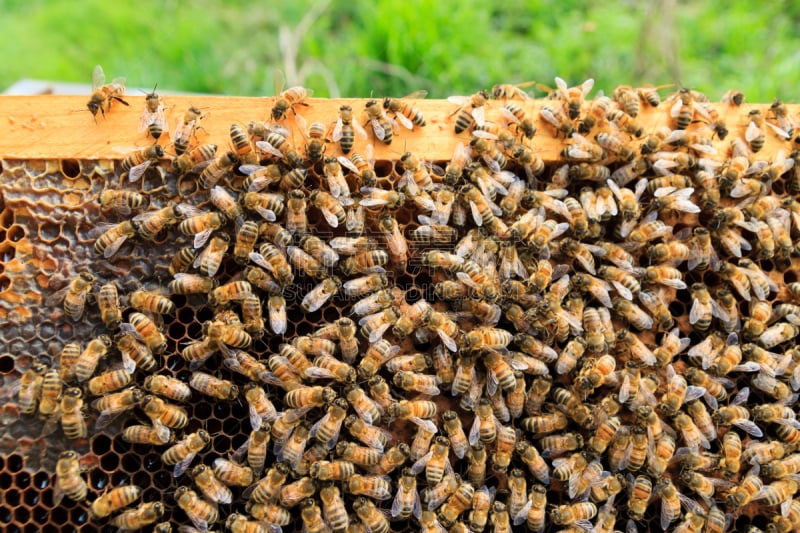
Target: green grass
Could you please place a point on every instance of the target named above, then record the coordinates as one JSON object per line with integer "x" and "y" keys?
{"x": 380, "y": 47}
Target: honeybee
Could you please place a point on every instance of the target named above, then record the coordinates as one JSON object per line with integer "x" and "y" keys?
{"x": 30, "y": 387}
{"x": 103, "y": 94}
{"x": 309, "y": 396}
{"x": 374, "y": 520}
{"x": 143, "y": 328}
{"x": 217, "y": 169}
{"x": 293, "y": 493}
{"x": 150, "y": 224}
{"x": 142, "y": 434}
{"x": 382, "y": 126}
{"x": 142, "y": 516}
{"x": 326, "y": 429}
{"x": 164, "y": 413}
{"x": 575, "y": 513}
{"x": 209, "y": 385}
{"x": 137, "y": 162}
{"x": 404, "y": 112}
{"x": 68, "y": 478}
{"x": 72, "y": 421}
{"x": 374, "y": 326}
{"x": 199, "y": 511}
{"x": 210, "y": 485}
{"x": 168, "y": 386}
{"x": 747, "y": 489}
{"x": 195, "y": 160}
{"x": 112, "y": 405}
{"x": 471, "y": 110}
{"x": 333, "y": 508}
{"x": 337, "y": 470}
{"x": 183, "y": 452}
{"x": 74, "y": 294}
{"x": 153, "y": 118}
{"x": 458, "y": 502}
{"x": 345, "y": 130}
{"x": 287, "y": 100}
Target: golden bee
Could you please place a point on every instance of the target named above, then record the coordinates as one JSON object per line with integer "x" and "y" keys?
{"x": 114, "y": 500}
{"x": 142, "y": 516}
{"x": 68, "y": 478}
{"x": 104, "y": 94}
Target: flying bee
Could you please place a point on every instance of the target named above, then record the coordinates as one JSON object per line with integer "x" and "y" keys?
{"x": 186, "y": 129}
{"x": 406, "y": 114}
{"x": 103, "y": 94}
{"x": 72, "y": 422}
{"x": 471, "y": 110}
{"x": 382, "y": 126}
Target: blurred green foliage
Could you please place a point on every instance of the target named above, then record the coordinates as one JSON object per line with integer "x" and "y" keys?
{"x": 383, "y": 47}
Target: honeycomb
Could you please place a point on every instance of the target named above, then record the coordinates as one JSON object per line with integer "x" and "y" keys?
{"x": 50, "y": 219}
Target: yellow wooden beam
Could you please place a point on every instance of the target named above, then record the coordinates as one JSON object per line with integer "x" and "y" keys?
{"x": 58, "y": 127}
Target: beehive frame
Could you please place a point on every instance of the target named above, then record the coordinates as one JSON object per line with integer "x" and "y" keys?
{"x": 56, "y": 160}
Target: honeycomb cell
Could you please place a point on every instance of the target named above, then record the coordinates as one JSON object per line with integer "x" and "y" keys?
{"x": 162, "y": 479}
{"x": 59, "y": 515}
{"x": 79, "y": 516}
{"x": 6, "y": 366}
{"x": 384, "y": 169}
{"x": 41, "y": 480}
{"x": 222, "y": 444}
{"x": 14, "y": 463}
{"x": 176, "y": 330}
{"x": 6, "y": 218}
{"x": 22, "y": 480}
{"x": 7, "y": 251}
{"x": 16, "y": 233}
{"x": 98, "y": 479}
{"x": 70, "y": 168}
{"x": 12, "y": 497}
{"x": 140, "y": 478}
{"x": 31, "y": 497}
{"x": 41, "y": 515}
{"x": 49, "y": 232}
{"x": 21, "y": 515}
{"x": 109, "y": 462}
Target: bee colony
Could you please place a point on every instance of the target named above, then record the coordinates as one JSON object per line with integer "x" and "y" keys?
{"x": 488, "y": 313}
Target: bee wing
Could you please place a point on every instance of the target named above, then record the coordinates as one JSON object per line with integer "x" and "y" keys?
{"x": 377, "y": 129}
{"x": 778, "y": 131}
{"x": 749, "y": 427}
{"x": 330, "y": 217}
{"x": 475, "y": 431}
{"x": 268, "y": 148}
{"x": 182, "y": 466}
{"x": 404, "y": 121}
{"x": 420, "y": 464}
{"x": 136, "y": 173}
{"x": 449, "y": 343}
{"x": 752, "y": 133}
{"x": 98, "y": 77}
{"x": 113, "y": 248}
{"x": 479, "y": 114}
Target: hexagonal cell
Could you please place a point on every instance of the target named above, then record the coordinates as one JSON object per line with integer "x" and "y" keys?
{"x": 70, "y": 168}
{"x": 7, "y": 251}
{"x": 15, "y": 233}
{"x": 49, "y": 232}
{"x": 14, "y": 463}
{"x": 6, "y": 367}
